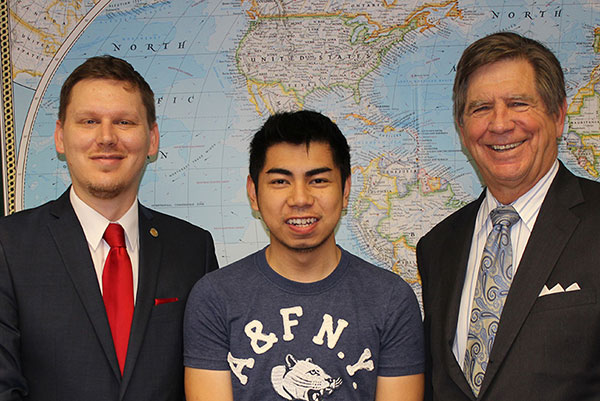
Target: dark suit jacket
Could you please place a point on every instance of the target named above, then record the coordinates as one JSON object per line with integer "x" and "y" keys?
{"x": 55, "y": 341}
{"x": 547, "y": 348}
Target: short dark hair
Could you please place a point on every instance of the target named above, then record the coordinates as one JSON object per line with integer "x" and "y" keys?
{"x": 300, "y": 127}
{"x": 549, "y": 78}
{"x": 108, "y": 67}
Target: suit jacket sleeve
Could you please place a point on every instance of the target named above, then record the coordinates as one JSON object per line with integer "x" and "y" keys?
{"x": 211, "y": 258}
{"x": 423, "y": 272}
{"x": 12, "y": 383}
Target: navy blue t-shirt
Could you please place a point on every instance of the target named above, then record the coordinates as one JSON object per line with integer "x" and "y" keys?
{"x": 302, "y": 341}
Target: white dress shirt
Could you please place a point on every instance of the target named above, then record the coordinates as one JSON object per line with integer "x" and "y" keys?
{"x": 94, "y": 225}
{"x": 528, "y": 206}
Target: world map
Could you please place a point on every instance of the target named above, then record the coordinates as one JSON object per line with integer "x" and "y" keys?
{"x": 382, "y": 70}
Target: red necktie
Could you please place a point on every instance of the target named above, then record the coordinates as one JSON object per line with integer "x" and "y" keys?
{"x": 117, "y": 288}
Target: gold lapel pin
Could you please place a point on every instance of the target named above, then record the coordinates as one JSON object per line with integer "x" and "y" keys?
{"x": 154, "y": 232}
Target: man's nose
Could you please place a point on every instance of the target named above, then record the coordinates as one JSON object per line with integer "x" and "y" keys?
{"x": 300, "y": 195}
{"x": 501, "y": 119}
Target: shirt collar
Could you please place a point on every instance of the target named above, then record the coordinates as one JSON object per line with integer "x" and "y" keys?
{"x": 528, "y": 205}
{"x": 94, "y": 224}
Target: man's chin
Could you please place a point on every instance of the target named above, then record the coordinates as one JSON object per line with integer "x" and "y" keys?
{"x": 306, "y": 247}
{"x": 105, "y": 191}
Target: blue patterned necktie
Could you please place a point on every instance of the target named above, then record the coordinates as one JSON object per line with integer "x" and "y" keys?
{"x": 493, "y": 282}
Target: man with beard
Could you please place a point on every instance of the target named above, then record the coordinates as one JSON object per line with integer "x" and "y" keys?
{"x": 302, "y": 319}
{"x": 93, "y": 285}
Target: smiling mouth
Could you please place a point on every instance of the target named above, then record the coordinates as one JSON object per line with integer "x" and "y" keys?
{"x": 302, "y": 222}
{"x": 504, "y": 148}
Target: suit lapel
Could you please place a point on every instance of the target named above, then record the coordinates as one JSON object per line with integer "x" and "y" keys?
{"x": 553, "y": 228}
{"x": 457, "y": 251}
{"x": 150, "y": 250}
{"x": 72, "y": 245}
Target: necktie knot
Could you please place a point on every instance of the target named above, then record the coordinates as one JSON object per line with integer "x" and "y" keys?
{"x": 504, "y": 215}
{"x": 115, "y": 235}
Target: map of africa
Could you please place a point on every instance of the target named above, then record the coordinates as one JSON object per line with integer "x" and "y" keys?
{"x": 382, "y": 70}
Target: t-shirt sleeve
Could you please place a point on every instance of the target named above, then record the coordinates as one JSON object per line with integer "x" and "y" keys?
{"x": 205, "y": 331}
{"x": 402, "y": 349}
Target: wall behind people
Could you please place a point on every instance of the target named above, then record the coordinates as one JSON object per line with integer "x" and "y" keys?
{"x": 383, "y": 71}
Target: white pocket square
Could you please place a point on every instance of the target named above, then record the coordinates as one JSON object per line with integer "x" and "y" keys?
{"x": 558, "y": 289}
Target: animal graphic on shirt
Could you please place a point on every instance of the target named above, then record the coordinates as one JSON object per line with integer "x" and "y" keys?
{"x": 302, "y": 380}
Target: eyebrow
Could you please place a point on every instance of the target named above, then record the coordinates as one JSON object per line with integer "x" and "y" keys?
{"x": 120, "y": 114}
{"x": 477, "y": 103}
{"x": 309, "y": 173}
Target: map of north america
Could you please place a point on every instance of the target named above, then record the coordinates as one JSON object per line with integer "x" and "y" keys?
{"x": 382, "y": 70}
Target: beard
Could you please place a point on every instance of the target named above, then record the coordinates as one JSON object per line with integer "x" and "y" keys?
{"x": 306, "y": 248}
{"x": 105, "y": 191}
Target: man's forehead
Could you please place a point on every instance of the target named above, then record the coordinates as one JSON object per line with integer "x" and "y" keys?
{"x": 286, "y": 153}
{"x": 309, "y": 148}
{"x": 502, "y": 65}
{"x": 501, "y": 75}
{"x": 90, "y": 83}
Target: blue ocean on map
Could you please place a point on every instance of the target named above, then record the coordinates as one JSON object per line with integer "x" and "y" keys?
{"x": 218, "y": 69}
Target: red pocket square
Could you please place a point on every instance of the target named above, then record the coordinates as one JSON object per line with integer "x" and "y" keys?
{"x": 160, "y": 301}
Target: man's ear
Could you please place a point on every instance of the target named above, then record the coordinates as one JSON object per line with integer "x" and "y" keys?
{"x": 459, "y": 129}
{"x": 58, "y": 137}
{"x": 346, "y": 194}
{"x": 560, "y": 119}
{"x": 154, "y": 140}
{"x": 251, "y": 189}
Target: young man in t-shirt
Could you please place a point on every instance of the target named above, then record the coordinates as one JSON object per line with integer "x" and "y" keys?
{"x": 302, "y": 319}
